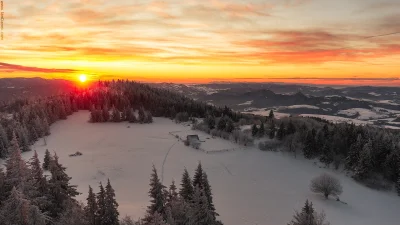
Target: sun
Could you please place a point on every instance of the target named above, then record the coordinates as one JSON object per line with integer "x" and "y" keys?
{"x": 82, "y": 78}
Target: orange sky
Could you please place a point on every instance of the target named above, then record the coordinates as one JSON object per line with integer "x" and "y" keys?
{"x": 299, "y": 41}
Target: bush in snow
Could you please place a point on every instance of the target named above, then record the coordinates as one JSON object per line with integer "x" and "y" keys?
{"x": 327, "y": 185}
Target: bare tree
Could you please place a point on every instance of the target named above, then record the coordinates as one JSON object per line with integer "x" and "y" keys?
{"x": 326, "y": 185}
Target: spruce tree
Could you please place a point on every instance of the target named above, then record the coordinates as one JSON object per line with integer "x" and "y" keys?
{"x": 208, "y": 194}
{"x": 261, "y": 131}
{"x": 18, "y": 210}
{"x": 72, "y": 215}
{"x": 156, "y": 219}
{"x": 309, "y": 146}
{"x": 116, "y": 115}
{"x": 230, "y": 126}
{"x": 272, "y": 129}
{"x": 111, "y": 206}
{"x": 106, "y": 114}
{"x": 157, "y": 195}
{"x": 291, "y": 129}
{"x": 91, "y": 208}
{"x": 2, "y": 185}
{"x": 200, "y": 214}
{"x": 39, "y": 194}
{"x": 132, "y": 116}
{"x": 198, "y": 180}
{"x": 254, "y": 130}
{"x": 308, "y": 216}
{"x": 172, "y": 193}
{"x": 186, "y": 190}
{"x": 142, "y": 115}
{"x": 271, "y": 115}
{"x": 17, "y": 170}
{"x": 46, "y": 160}
{"x": 280, "y": 134}
{"x": 60, "y": 189}
{"x": 3, "y": 143}
{"x": 364, "y": 165}
{"x": 398, "y": 186}
{"x": 101, "y": 205}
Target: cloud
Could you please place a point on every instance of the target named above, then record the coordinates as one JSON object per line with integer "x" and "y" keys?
{"x": 18, "y": 68}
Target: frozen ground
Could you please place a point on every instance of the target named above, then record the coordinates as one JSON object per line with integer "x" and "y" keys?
{"x": 250, "y": 186}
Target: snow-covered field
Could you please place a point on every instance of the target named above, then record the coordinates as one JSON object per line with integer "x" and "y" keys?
{"x": 364, "y": 114}
{"x": 265, "y": 112}
{"x": 249, "y": 186}
{"x": 246, "y": 103}
{"x": 337, "y": 119}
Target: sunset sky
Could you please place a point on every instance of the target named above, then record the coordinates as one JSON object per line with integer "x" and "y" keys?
{"x": 346, "y": 42}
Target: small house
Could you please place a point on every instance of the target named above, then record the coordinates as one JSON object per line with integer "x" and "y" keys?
{"x": 193, "y": 140}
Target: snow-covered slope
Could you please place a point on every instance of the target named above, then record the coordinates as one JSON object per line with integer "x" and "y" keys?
{"x": 249, "y": 186}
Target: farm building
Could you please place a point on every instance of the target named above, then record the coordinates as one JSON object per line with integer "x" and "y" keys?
{"x": 193, "y": 140}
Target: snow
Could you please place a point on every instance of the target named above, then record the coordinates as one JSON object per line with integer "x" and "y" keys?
{"x": 374, "y": 94}
{"x": 337, "y": 119}
{"x": 299, "y": 107}
{"x": 392, "y": 127}
{"x": 364, "y": 114}
{"x": 326, "y": 103}
{"x": 246, "y": 103}
{"x": 390, "y": 102}
{"x": 249, "y": 186}
{"x": 265, "y": 112}
{"x": 207, "y": 90}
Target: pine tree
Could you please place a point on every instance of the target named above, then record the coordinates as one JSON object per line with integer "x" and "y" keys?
{"x": 17, "y": 170}
{"x": 271, "y": 115}
{"x": 3, "y": 143}
{"x": 221, "y": 123}
{"x": 2, "y": 185}
{"x": 272, "y": 129}
{"x": 60, "y": 189}
{"x": 261, "y": 131}
{"x": 364, "y": 164}
{"x": 172, "y": 193}
{"x": 198, "y": 180}
{"x": 280, "y": 134}
{"x": 156, "y": 219}
{"x": 47, "y": 159}
{"x": 398, "y": 186}
{"x": 353, "y": 155}
{"x": 200, "y": 214}
{"x": 91, "y": 208}
{"x": 17, "y": 210}
{"x": 39, "y": 194}
{"x": 101, "y": 206}
{"x": 157, "y": 195}
{"x": 254, "y": 130}
{"x": 106, "y": 113}
{"x": 72, "y": 215}
{"x": 131, "y": 116}
{"x": 142, "y": 115}
{"x": 115, "y": 115}
{"x": 186, "y": 190}
{"x": 111, "y": 206}
{"x": 230, "y": 126}
{"x": 208, "y": 194}
{"x": 309, "y": 146}
{"x": 291, "y": 129}
{"x": 308, "y": 216}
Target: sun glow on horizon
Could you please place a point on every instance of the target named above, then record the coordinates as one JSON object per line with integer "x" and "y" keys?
{"x": 82, "y": 78}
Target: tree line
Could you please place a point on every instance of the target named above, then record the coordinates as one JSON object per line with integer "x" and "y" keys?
{"x": 371, "y": 154}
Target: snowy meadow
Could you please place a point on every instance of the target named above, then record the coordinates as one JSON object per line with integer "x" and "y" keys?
{"x": 250, "y": 186}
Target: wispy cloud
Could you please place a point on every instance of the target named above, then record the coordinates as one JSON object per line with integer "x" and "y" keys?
{"x": 10, "y": 68}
